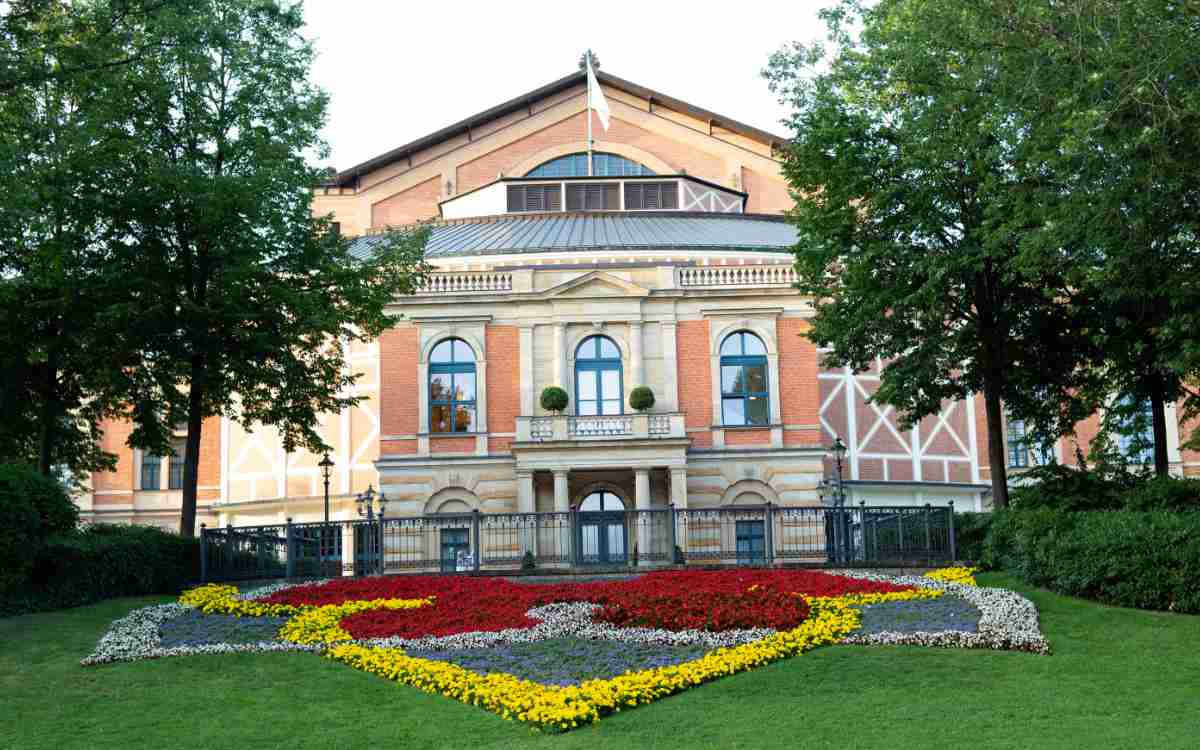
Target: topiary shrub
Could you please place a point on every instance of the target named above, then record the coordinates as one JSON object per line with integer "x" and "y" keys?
{"x": 32, "y": 507}
{"x": 554, "y": 398}
{"x": 528, "y": 562}
{"x": 641, "y": 398}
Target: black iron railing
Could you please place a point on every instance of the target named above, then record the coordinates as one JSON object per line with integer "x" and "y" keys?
{"x": 474, "y": 542}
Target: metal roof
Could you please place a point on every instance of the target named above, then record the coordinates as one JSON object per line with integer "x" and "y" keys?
{"x": 599, "y": 231}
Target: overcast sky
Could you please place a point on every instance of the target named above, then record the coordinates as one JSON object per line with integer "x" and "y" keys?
{"x": 397, "y": 70}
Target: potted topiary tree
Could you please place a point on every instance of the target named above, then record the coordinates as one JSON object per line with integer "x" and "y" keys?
{"x": 554, "y": 399}
{"x": 641, "y": 398}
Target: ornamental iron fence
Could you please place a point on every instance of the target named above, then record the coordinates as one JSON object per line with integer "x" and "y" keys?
{"x": 757, "y": 535}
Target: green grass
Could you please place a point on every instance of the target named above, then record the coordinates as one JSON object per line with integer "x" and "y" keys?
{"x": 1118, "y": 678}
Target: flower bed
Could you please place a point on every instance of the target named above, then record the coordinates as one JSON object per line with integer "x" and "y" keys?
{"x": 561, "y": 654}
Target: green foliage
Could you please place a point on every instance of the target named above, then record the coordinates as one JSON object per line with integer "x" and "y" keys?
{"x": 32, "y": 508}
{"x": 970, "y": 534}
{"x": 528, "y": 562}
{"x": 641, "y": 398}
{"x": 554, "y": 398}
{"x": 1148, "y": 560}
{"x": 1070, "y": 489}
{"x": 910, "y": 216}
{"x": 102, "y": 561}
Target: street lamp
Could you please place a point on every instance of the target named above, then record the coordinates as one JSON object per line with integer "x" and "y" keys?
{"x": 366, "y": 504}
{"x": 326, "y": 465}
{"x": 836, "y": 492}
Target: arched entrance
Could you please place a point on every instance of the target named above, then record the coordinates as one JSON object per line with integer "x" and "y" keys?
{"x": 603, "y": 538}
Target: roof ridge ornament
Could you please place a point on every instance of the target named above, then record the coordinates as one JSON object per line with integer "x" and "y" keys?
{"x": 584, "y": 58}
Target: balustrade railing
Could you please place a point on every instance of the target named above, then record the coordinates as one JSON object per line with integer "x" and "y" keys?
{"x": 497, "y": 542}
{"x": 718, "y": 276}
{"x": 471, "y": 281}
{"x": 599, "y": 426}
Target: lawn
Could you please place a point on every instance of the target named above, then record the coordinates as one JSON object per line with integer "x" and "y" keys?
{"x": 1118, "y": 678}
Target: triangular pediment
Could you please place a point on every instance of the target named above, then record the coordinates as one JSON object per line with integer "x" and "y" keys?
{"x": 596, "y": 285}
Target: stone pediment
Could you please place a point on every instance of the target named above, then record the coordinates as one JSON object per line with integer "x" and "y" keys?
{"x": 596, "y": 285}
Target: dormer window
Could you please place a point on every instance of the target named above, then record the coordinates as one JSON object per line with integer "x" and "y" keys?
{"x": 603, "y": 165}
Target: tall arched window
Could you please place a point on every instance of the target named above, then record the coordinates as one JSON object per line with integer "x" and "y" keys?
{"x": 604, "y": 165}
{"x": 745, "y": 397}
{"x": 598, "y": 385}
{"x": 451, "y": 387}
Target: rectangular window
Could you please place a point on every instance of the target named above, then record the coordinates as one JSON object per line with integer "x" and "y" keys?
{"x": 650, "y": 196}
{"x": 175, "y": 467}
{"x": 1018, "y": 456}
{"x": 151, "y": 472}
{"x": 593, "y": 196}
{"x": 1135, "y": 437}
{"x": 534, "y": 198}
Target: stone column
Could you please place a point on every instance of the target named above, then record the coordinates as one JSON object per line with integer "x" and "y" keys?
{"x": 526, "y": 357}
{"x": 670, "y": 396}
{"x": 679, "y": 499}
{"x": 636, "y": 371}
{"x": 560, "y": 355}
{"x": 525, "y": 496}
{"x": 641, "y": 489}
{"x": 644, "y": 523}
{"x": 562, "y": 501}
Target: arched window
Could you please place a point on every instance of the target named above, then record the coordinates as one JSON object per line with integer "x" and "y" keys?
{"x": 451, "y": 387}
{"x": 603, "y": 164}
{"x": 598, "y": 385}
{"x": 601, "y": 500}
{"x": 744, "y": 395}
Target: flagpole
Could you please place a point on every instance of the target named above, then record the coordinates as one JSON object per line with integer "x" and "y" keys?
{"x": 588, "y": 73}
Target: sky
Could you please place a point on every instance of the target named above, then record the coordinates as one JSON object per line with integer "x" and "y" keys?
{"x": 397, "y": 70}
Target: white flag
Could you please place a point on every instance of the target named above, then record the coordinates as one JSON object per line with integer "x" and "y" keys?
{"x": 596, "y": 98}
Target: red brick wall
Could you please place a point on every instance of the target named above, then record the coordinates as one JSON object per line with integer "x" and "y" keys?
{"x": 695, "y": 378}
{"x": 573, "y": 130}
{"x": 747, "y": 437}
{"x": 767, "y": 196}
{"x": 798, "y": 386}
{"x": 452, "y": 444}
{"x": 112, "y": 440}
{"x": 417, "y": 203}
{"x": 398, "y": 355}
{"x": 504, "y": 384}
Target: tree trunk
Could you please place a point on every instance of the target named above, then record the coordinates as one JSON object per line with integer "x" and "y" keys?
{"x": 50, "y": 414}
{"x": 1158, "y": 408}
{"x": 191, "y": 451}
{"x": 997, "y": 455}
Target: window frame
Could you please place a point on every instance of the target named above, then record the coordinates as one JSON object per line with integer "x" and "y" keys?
{"x": 745, "y": 395}
{"x": 578, "y": 159}
{"x": 175, "y": 464}
{"x": 452, "y": 368}
{"x": 599, "y": 364}
{"x": 1127, "y": 436}
{"x": 148, "y": 460}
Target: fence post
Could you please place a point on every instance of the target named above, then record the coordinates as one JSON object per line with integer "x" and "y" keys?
{"x": 900, "y": 531}
{"x": 770, "y": 540}
{"x": 674, "y": 540}
{"x": 203, "y": 555}
{"x": 862, "y": 518}
{"x": 953, "y": 544}
{"x": 229, "y": 550}
{"x": 572, "y": 546}
{"x": 928, "y": 538}
{"x": 291, "y": 548}
{"x": 475, "y": 529}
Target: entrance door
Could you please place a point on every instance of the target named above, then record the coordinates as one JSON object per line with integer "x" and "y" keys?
{"x": 456, "y": 550}
{"x": 602, "y": 534}
{"x": 368, "y": 557}
{"x": 751, "y": 543}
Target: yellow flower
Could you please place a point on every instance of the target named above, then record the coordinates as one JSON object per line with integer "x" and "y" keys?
{"x": 965, "y": 576}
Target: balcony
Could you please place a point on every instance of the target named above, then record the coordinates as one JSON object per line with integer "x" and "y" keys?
{"x": 569, "y": 428}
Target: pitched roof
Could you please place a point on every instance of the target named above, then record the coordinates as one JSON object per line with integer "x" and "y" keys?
{"x": 348, "y": 177}
{"x": 600, "y": 231}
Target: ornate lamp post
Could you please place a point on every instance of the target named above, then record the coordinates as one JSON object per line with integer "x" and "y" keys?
{"x": 835, "y": 492}
{"x": 326, "y": 465}
{"x": 366, "y": 509}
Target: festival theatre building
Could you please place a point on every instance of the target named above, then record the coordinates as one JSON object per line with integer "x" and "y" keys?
{"x": 666, "y": 264}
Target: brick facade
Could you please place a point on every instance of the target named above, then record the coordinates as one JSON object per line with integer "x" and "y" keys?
{"x": 798, "y": 395}
{"x": 503, "y": 385}
{"x": 398, "y": 390}
{"x": 418, "y": 203}
{"x": 695, "y": 380}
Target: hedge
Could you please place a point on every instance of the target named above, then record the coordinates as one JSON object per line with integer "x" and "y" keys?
{"x": 103, "y": 561}
{"x": 32, "y": 508}
{"x": 1143, "y": 559}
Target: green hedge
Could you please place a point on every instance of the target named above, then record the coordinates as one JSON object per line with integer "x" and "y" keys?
{"x": 1070, "y": 488}
{"x": 1143, "y": 559}
{"x": 32, "y": 508}
{"x": 104, "y": 561}
{"x": 970, "y": 533}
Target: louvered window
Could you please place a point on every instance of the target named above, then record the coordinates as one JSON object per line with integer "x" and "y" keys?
{"x": 535, "y": 198}
{"x": 594, "y": 196}
{"x": 648, "y": 196}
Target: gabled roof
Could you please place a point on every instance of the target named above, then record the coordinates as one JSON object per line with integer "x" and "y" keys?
{"x": 583, "y": 232}
{"x": 348, "y": 177}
